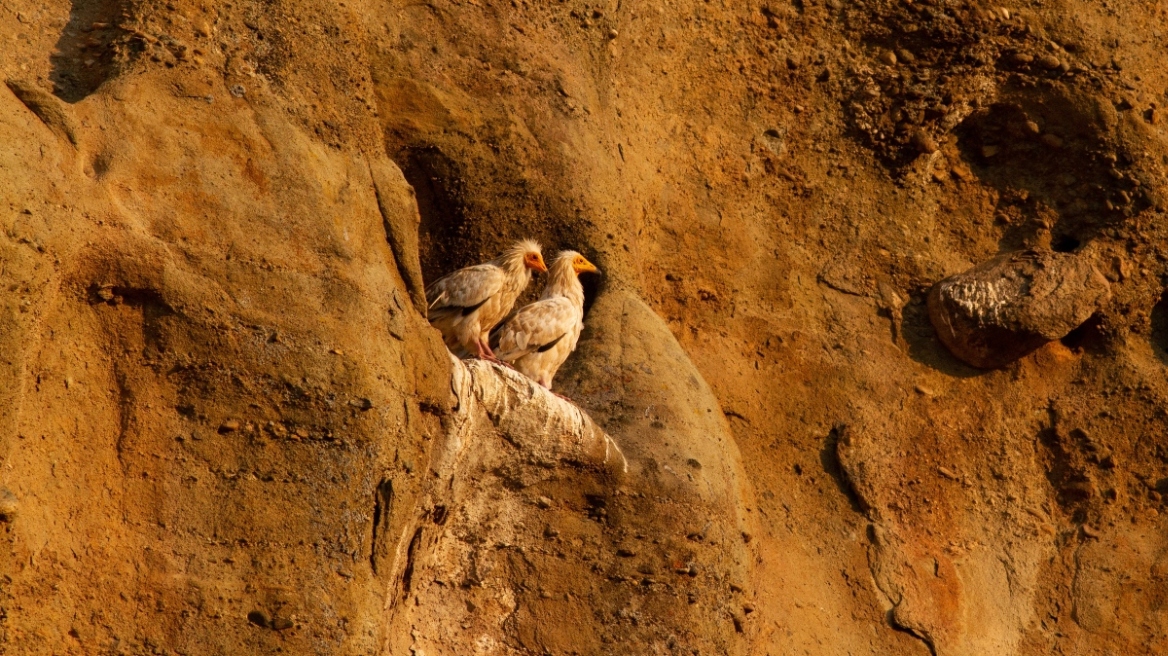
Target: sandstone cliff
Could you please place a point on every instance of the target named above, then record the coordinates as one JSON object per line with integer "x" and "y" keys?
{"x": 226, "y": 428}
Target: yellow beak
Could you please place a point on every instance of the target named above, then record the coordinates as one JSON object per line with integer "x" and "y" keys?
{"x": 586, "y": 267}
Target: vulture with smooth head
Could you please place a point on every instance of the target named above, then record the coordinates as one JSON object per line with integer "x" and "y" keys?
{"x": 539, "y": 338}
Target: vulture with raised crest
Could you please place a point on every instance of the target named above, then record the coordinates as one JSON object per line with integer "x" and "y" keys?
{"x": 467, "y": 304}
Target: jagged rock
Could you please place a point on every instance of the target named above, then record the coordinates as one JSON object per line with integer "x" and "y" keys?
{"x": 547, "y": 429}
{"x": 538, "y": 491}
{"x": 1005, "y": 308}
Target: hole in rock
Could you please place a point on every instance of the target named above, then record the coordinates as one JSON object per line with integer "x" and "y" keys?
{"x": 1071, "y": 487}
{"x": 1065, "y": 244}
{"x": 830, "y": 460}
{"x": 445, "y": 239}
{"x": 1049, "y": 152}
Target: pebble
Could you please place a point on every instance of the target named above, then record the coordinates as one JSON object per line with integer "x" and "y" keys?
{"x": 1022, "y": 58}
{"x": 1090, "y": 532}
{"x": 888, "y": 57}
{"x": 8, "y": 506}
{"x": 905, "y": 56}
{"x": 550, "y": 531}
{"x": 1032, "y": 128}
{"x": 1052, "y": 140}
{"x": 947, "y": 473}
{"x": 543, "y": 502}
{"x": 280, "y": 623}
{"x": 1049, "y": 61}
{"x": 229, "y": 426}
{"x": 989, "y": 151}
{"x": 625, "y": 553}
{"x": 613, "y": 33}
{"x": 238, "y": 91}
{"x": 924, "y": 142}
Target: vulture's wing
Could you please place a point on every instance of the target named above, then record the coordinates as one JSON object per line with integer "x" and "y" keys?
{"x": 465, "y": 289}
{"x": 536, "y": 328}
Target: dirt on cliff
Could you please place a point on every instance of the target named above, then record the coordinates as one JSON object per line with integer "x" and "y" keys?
{"x": 225, "y": 424}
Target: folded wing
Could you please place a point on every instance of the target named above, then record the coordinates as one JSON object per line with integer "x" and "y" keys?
{"x": 464, "y": 290}
{"x": 536, "y": 328}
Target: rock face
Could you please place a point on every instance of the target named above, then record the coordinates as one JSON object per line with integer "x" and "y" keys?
{"x": 1006, "y": 307}
{"x": 226, "y": 428}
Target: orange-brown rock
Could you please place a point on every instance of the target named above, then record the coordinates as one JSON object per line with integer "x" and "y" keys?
{"x": 226, "y": 427}
{"x": 1012, "y": 304}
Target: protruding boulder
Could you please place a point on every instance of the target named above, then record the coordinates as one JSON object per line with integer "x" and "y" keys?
{"x": 1006, "y": 307}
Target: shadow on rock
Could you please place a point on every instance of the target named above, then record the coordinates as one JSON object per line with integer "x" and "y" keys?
{"x": 926, "y": 348}
{"x": 1049, "y": 151}
{"x": 84, "y": 57}
{"x": 1160, "y": 328}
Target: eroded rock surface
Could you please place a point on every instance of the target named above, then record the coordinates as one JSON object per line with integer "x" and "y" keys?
{"x": 223, "y": 419}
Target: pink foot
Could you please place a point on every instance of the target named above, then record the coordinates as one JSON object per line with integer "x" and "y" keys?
{"x": 484, "y": 353}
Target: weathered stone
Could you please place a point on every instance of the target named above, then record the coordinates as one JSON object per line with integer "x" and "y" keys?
{"x": 8, "y": 506}
{"x": 924, "y": 142}
{"x": 1005, "y": 308}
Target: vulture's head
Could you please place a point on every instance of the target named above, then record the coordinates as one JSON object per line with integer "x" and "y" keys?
{"x": 578, "y": 262}
{"x": 532, "y": 256}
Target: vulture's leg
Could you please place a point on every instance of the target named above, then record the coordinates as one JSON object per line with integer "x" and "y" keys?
{"x": 485, "y": 352}
{"x": 486, "y": 342}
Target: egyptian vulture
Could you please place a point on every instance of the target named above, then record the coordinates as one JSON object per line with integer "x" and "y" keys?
{"x": 538, "y": 339}
{"x": 467, "y": 304}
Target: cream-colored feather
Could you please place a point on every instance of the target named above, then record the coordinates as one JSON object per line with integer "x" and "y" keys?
{"x": 541, "y": 336}
{"x": 467, "y": 304}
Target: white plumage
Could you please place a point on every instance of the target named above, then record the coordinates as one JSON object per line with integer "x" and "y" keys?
{"x": 539, "y": 338}
{"x": 467, "y": 304}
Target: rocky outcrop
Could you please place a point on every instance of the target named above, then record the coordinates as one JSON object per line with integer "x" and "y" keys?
{"x": 537, "y": 535}
{"x": 1006, "y": 307}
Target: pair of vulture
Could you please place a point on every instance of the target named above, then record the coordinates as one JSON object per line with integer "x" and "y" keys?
{"x": 468, "y": 305}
